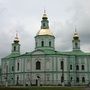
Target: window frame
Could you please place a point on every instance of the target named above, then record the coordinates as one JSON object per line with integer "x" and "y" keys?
{"x": 77, "y": 79}
{"x": 38, "y": 65}
{"x": 62, "y": 65}
{"x": 18, "y": 66}
{"x": 70, "y": 67}
{"x": 83, "y": 67}
{"x": 42, "y": 43}
{"x": 77, "y": 67}
{"x": 49, "y": 43}
{"x": 83, "y": 79}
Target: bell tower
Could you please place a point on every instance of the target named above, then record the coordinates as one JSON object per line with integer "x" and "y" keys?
{"x": 16, "y": 45}
{"x": 44, "y": 22}
{"x": 76, "y": 41}
{"x": 44, "y": 39}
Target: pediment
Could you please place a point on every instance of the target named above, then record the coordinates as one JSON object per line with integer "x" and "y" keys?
{"x": 38, "y": 52}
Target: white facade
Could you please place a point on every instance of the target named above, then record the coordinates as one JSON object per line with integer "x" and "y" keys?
{"x": 45, "y": 66}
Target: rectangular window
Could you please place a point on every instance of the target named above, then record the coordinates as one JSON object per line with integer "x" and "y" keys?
{"x": 62, "y": 65}
{"x": 12, "y": 68}
{"x": 17, "y": 79}
{"x": 17, "y": 66}
{"x": 77, "y": 67}
{"x": 70, "y": 67}
{"x": 77, "y": 79}
{"x": 62, "y": 79}
{"x": 71, "y": 79}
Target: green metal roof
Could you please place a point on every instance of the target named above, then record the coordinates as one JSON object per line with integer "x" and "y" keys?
{"x": 48, "y": 52}
{"x": 12, "y": 55}
{"x": 76, "y": 52}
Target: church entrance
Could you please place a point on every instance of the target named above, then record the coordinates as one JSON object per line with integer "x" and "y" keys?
{"x": 38, "y": 81}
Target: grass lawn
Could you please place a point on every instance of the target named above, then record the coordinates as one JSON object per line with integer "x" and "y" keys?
{"x": 43, "y": 88}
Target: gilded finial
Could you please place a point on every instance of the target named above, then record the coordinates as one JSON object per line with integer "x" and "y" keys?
{"x": 75, "y": 34}
{"x": 75, "y": 29}
{"x": 16, "y": 37}
{"x": 44, "y": 11}
{"x": 44, "y": 15}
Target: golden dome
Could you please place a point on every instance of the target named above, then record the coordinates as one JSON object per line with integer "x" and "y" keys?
{"x": 45, "y": 26}
{"x": 45, "y": 32}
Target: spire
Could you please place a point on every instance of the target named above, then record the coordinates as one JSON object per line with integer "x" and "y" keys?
{"x": 75, "y": 34}
{"x": 76, "y": 41}
{"x": 44, "y": 15}
{"x": 44, "y": 11}
{"x": 16, "y": 38}
{"x": 44, "y": 30}
{"x": 44, "y": 22}
{"x": 75, "y": 29}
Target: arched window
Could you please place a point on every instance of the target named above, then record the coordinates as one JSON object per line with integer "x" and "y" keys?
{"x": 62, "y": 65}
{"x": 38, "y": 65}
{"x": 42, "y": 43}
{"x": 82, "y": 67}
{"x": 49, "y": 43}
{"x": 18, "y": 66}
{"x": 77, "y": 79}
{"x": 12, "y": 68}
{"x": 83, "y": 79}
{"x": 76, "y": 45}
{"x": 77, "y": 67}
{"x": 14, "y": 48}
{"x": 44, "y": 24}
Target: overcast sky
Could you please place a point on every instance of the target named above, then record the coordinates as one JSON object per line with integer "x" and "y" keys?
{"x": 25, "y": 16}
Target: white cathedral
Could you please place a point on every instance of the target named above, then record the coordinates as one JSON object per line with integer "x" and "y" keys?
{"x": 45, "y": 65}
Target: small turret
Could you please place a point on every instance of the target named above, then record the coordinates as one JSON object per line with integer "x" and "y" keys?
{"x": 16, "y": 45}
{"x": 76, "y": 41}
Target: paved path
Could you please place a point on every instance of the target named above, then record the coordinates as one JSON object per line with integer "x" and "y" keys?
{"x": 87, "y": 88}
